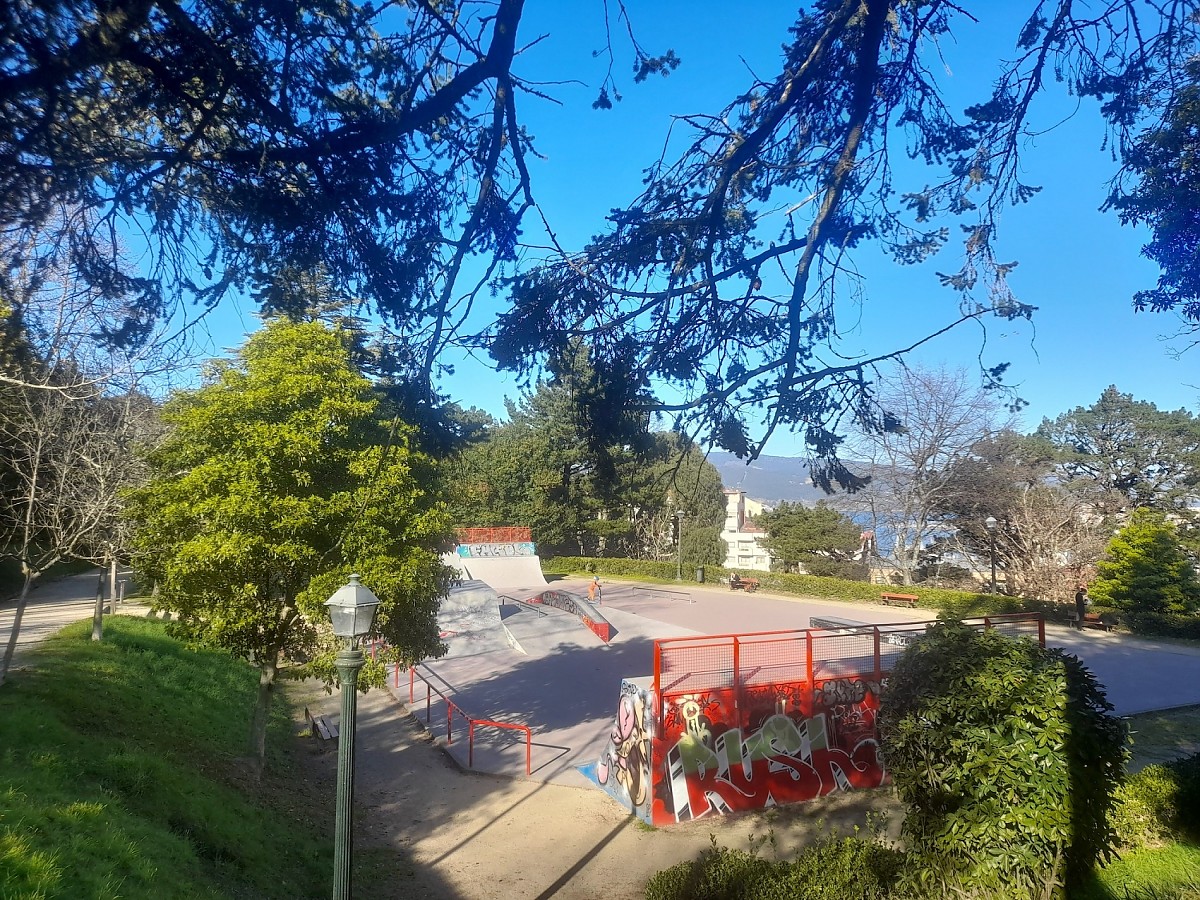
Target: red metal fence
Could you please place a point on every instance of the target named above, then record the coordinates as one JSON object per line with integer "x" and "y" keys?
{"x": 813, "y": 655}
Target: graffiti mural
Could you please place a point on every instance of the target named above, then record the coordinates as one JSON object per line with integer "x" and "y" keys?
{"x": 724, "y": 750}
{"x": 624, "y": 766}
{"x": 850, "y": 706}
{"x": 782, "y": 762}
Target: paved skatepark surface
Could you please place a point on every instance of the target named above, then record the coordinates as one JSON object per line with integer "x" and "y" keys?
{"x": 551, "y": 673}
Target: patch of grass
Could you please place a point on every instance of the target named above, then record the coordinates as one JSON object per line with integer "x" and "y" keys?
{"x": 121, "y": 775}
{"x": 1162, "y": 736}
{"x": 1167, "y": 873}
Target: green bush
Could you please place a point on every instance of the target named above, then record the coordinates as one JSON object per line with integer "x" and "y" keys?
{"x": 1144, "y": 813}
{"x": 1157, "y": 624}
{"x": 718, "y": 874}
{"x": 838, "y": 869}
{"x": 832, "y": 869}
{"x": 1007, "y": 755}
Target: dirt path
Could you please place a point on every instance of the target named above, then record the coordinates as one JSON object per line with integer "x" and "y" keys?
{"x": 455, "y": 834}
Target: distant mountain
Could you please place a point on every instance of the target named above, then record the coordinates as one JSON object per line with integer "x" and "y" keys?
{"x": 769, "y": 479}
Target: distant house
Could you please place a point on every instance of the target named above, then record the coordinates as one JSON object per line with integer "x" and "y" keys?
{"x": 743, "y": 539}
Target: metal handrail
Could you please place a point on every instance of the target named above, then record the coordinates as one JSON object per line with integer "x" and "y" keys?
{"x": 452, "y": 707}
{"x": 524, "y": 604}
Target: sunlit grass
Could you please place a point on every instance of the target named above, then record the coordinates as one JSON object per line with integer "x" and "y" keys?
{"x": 120, "y": 777}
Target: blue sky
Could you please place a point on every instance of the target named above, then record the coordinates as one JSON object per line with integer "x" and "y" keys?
{"x": 1077, "y": 265}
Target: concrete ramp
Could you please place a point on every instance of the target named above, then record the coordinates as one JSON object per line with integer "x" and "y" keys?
{"x": 469, "y": 620}
{"x": 511, "y": 568}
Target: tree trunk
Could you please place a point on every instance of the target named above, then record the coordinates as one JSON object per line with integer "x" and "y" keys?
{"x": 112, "y": 581}
{"x": 98, "y": 610}
{"x": 16, "y": 625}
{"x": 267, "y": 670}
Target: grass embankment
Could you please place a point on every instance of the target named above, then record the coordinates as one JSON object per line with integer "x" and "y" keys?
{"x": 120, "y": 776}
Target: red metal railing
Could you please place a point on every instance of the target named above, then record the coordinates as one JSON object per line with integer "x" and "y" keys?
{"x": 472, "y": 722}
{"x": 709, "y": 662}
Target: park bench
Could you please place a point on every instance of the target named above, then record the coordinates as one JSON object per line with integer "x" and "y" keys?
{"x": 749, "y": 585}
{"x": 1091, "y": 620}
{"x": 322, "y": 728}
{"x": 888, "y": 598}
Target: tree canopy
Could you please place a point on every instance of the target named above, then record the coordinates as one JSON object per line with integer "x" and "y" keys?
{"x": 1127, "y": 453}
{"x": 381, "y": 143}
{"x": 819, "y": 539}
{"x": 277, "y": 480}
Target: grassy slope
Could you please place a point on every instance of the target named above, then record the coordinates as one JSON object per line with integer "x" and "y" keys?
{"x": 120, "y": 776}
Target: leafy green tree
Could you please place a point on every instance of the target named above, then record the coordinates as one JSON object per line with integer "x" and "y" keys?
{"x": 818, "y": 540}
{"x": 1145, "y": 568}
{"x": 1127, "y": 453}
{"x": 276, "y": 481}
{"x": 1006, "y": 755}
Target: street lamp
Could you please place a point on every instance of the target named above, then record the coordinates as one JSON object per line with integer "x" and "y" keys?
{"x": 990, "y": 524}
{"x": 679, "y": 546}
{"x": 352, "y": 611}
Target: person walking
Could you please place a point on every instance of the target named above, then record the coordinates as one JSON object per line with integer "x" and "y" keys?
{"x": 594, "y": 590}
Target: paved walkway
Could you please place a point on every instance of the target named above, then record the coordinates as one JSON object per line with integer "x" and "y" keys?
{"x": 51, "y": 605}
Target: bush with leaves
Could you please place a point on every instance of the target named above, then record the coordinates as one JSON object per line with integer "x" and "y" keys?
{"x": 1007, "y": 755}
{"x": 850, "y": 868}
{"x": 1145, "y": 568}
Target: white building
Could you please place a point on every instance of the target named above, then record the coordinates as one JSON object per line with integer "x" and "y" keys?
{"x": 743, "y": 539}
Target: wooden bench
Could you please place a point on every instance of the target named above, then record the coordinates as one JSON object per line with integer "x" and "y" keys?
{"x": 749, "y": 585}
{"x": 888, "y": 598}
{"x": 322, "y": 728}
{"x": 1090, "y": 620}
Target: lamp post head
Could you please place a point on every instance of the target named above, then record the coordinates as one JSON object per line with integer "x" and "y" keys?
{"x": 352, "y": 609}
{"x": 990, "y": 523}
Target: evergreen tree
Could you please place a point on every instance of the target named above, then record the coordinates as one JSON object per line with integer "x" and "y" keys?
{"x": 1146, "y": 570}
{"x": 277, "y": 480}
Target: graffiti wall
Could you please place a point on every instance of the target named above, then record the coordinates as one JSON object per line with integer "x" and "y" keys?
{"x": 515, "y": 534}
{"x": 624, "y": 766}
{"x": 781, "y": 743}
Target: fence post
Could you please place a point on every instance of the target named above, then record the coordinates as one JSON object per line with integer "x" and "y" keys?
{"x": 737, "y": 678}
{"x": 449, "y": 721}
{"x": 1041, "y": 620}
{"x": 808, "y": 648}
{"x": 878, "y": 659}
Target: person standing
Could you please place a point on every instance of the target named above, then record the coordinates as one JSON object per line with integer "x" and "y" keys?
{"x": 594, "y": 591}
{"x": 1081, "y": 604}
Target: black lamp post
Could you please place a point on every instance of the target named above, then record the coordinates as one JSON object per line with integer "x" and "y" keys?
{"x": 352, "y": 611}
{"x": 990, "y": 523}
{"x": 679, "y": 545}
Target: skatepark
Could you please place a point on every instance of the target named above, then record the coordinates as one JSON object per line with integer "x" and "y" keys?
{"x": 514, "y": 663}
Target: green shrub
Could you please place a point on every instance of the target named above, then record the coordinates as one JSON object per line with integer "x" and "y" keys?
{"x": 1144, "y": 812}
{"x": 718, "y": 874}
{"x": 1007, "y": 755}
{"x": 1159, "y": 624}
{"x": 837, "y": 869}
{"x": 832, "y": 869}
